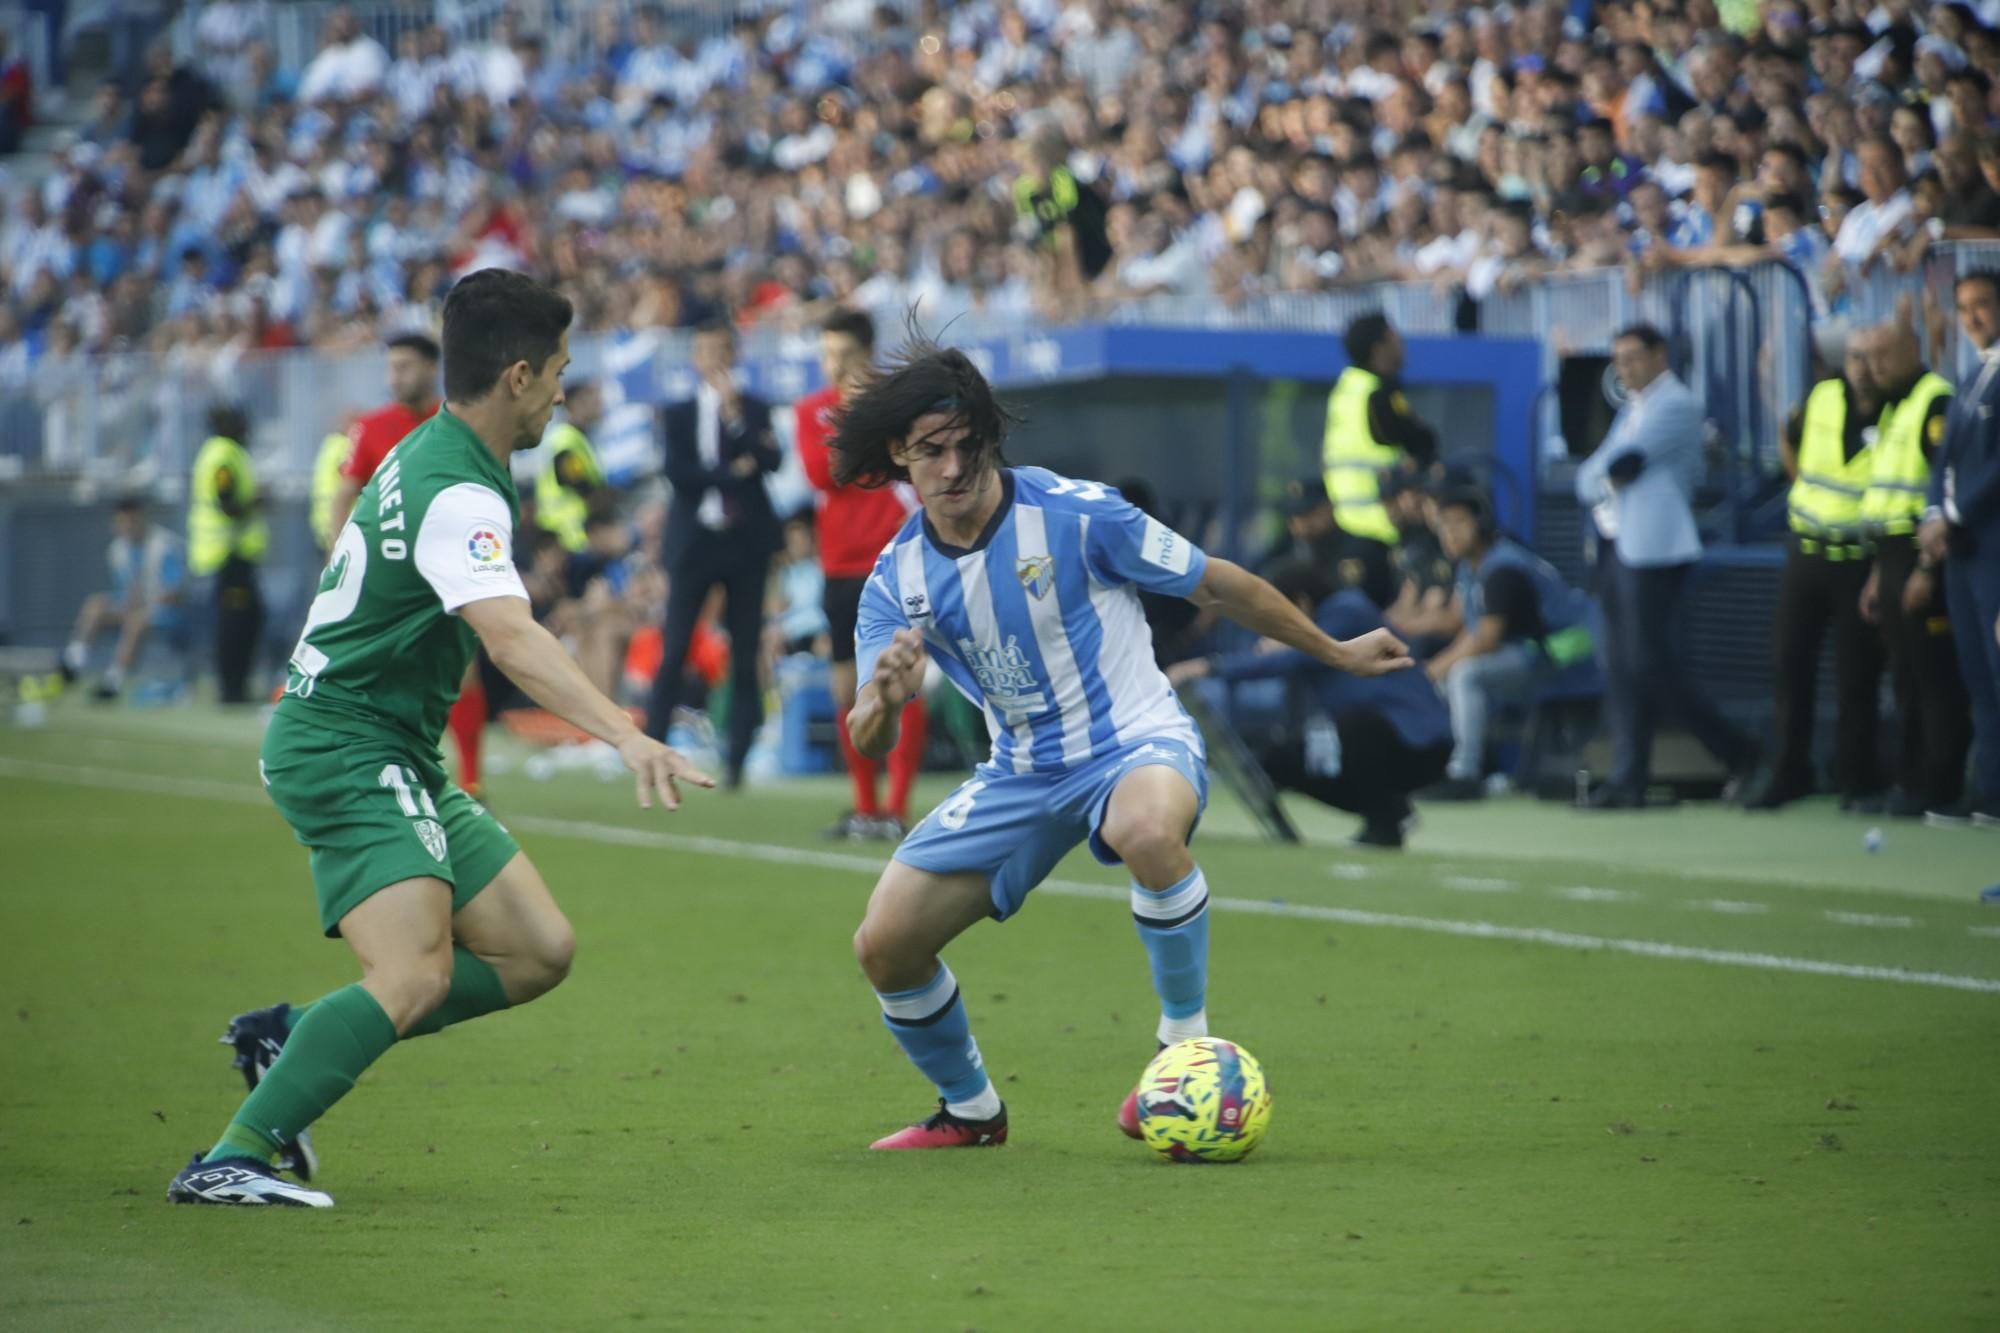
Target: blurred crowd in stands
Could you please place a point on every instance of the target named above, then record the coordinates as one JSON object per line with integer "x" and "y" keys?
{"x": 1032, "y": 157}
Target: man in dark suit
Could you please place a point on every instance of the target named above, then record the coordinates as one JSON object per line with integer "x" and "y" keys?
{"x": 720, "y": 530}
{"x": 1961, "y": 531}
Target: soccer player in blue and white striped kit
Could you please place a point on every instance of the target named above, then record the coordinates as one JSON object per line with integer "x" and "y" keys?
{"x": 1024, "y": 586}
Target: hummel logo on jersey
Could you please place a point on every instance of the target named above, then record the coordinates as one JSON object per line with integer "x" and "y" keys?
{"x": 917, "y": 606}
{"x": 1038, "y": 574}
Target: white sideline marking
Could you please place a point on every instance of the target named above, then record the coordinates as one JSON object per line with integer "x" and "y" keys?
{"x": 1348, "y": 870}
{"x": 1871, "y": 919}
{"x": 1990, "y": 932}
{"x": 1473, "y": 884}
{"x": 1584, "y": 893}
{"x": 682, "y": 842}
{"x": 1730, "y": 908}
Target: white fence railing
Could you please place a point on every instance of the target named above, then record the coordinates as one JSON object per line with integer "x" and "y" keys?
{"x": 1742, "y": 338}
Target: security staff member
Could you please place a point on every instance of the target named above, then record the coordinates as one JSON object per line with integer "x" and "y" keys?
{"x": 1314, "y": 535}
{"x": 1423, "y": 613}
{"x": 570, "y": 475}
{"x": 1829, "y": 449}
{"x": 1904, "y": 594}
{"x": 1961, "y": 530}
{"x": 1369, "y": 430}
{"x": 327, "y": 463}
{"x": 1369, "y": 741}
{"x": 227, "y": 539}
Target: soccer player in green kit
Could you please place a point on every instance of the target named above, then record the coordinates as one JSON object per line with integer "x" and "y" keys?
{"x": 447, "y": 917}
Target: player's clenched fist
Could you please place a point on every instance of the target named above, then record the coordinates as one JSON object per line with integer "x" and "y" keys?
{"x": 899, "y": 671}
{"x": 659, "y": 769}
{"x": 1376, "y": 653}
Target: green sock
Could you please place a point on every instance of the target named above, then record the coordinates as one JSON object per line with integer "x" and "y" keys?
{"x": 295, "y": 1013}
{"x": 475, "y": 990}
{"x": 340, "y": 1036}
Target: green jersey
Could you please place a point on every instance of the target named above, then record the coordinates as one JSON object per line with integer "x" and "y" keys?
{"x": 383, "y": 651}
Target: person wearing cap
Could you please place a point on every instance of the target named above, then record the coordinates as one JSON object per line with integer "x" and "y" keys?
{"x": 148, "y": 577}
{"x": 1313, "y": 534}
{"x": 1366, "y": 743}
{"x": 1829, "y": 449}
{"x": 1370, "y": 430}
{"x": 1424, "y": 612}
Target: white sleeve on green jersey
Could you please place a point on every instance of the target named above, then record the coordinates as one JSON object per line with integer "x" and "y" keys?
{"x": 465, "y": 548}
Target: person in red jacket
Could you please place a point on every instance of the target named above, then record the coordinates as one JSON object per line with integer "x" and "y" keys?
{"x": 854, "y": 525}
{"x": 413, "y": 377}
{"x": 413, "y": 400}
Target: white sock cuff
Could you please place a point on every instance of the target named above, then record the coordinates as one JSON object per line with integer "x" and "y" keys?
{"x": 1171, "y": 906}
{"x": 913, "y": 1006}
{"x": 1183, "y": 1029}
{"x": 982, "y": 1107}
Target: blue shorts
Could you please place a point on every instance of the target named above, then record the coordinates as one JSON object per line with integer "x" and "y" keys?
{"x": 1014, "y": 827}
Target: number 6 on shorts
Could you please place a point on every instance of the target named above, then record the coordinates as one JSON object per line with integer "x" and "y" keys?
{"x": 954, "y": 812}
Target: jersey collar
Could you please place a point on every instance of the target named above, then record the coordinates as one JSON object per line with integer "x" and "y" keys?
{"x": 457, "y": 430}
{"x": 946, "y": 549}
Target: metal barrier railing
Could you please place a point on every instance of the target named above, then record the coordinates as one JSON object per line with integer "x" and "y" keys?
{"x": 1871, "y": 296}
{"x": 1742, "y": 338}
{"x": 568, "y": 27}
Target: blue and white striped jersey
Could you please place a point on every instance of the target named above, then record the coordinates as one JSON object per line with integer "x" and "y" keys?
{"x": 1040, "y": 623}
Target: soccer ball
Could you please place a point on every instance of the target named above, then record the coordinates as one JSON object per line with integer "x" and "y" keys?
{"x": 1203, "y": 1100}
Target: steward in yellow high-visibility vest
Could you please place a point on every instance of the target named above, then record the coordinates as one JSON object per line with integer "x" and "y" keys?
{"x": 1828, "y": 447}
{"x": 1369, "y": 430}
{"x": 1912, "y": 428}
{"x": 570, "y": 474}
{"x": 227, "y": 539}
{"x": 1907, "y": 590}
{"x": 325, "y": 486}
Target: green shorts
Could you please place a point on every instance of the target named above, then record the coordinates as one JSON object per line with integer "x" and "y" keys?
{"x": 374, "y": 812}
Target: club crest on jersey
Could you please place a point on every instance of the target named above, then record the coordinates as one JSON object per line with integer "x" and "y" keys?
{"x": 1038, "y": 574}
{"x": 431, "y": 833}
{"x": 486, "y": 551}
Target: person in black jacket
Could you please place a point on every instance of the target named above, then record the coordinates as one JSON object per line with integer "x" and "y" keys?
{"x": 720, "y": 530}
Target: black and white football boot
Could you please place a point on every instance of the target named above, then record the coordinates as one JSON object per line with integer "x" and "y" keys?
{"x": 258, "y": 1037}
{"x": 240, "y": 1180}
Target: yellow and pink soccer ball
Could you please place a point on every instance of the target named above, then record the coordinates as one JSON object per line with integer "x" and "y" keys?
{"x": 1204, "y": 1100}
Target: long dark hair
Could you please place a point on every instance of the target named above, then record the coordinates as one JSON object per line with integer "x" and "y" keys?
{"x": 922, "y": 379}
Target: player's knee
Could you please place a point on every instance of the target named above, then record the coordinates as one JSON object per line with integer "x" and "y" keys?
{"x": 408, "y": 990}
{"x": 1147, "y": 840}
{"x": 554, "y": 952}
{"x": 884, "y": 959}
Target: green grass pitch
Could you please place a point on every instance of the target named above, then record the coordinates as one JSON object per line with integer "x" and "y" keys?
{"x": 1693, "y": 1070}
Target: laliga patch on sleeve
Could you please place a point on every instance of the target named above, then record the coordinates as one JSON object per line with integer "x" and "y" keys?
{"x": 1164, "y": 547}
{"x": 486, "y": 551}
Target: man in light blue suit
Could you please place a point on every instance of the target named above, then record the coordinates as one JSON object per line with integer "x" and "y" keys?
{"x": 1640, "y": 487}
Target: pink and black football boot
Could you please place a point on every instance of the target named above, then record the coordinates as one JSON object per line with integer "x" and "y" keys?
{"x": 945, "y": 1130}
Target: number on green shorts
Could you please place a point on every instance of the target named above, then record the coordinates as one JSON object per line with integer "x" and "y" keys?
{"x": 409, "y": 791}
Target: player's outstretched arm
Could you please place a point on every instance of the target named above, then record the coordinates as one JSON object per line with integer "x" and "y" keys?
{"x": 896, "y": 679}
{"x": 1256, "y": 605}
{"x": 534, "y": 659}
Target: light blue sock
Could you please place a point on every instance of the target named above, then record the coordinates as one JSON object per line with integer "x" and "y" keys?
{"x": 929, "y": 1023}
{"x": 1173, "y": 925}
